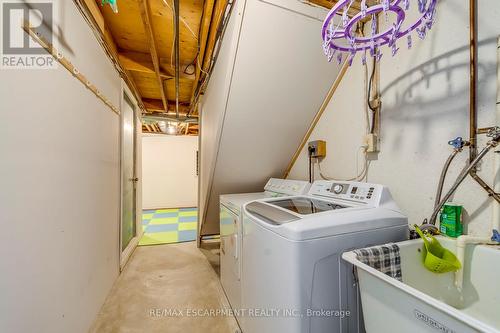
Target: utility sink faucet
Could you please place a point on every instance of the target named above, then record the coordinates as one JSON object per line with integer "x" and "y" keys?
{"x": 494, "y": 134}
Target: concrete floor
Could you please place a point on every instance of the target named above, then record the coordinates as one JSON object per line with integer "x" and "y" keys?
{"x": 157, "y": 287}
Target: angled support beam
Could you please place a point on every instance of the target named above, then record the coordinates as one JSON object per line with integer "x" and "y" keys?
{"x": 148, "y": 28}
{"x": 316, "y": 118}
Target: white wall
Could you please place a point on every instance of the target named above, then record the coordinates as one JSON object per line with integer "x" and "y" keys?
{"x": 59, "y": 198}
{"x": 425, "y": 104}
{"x": 251, "y": 120}
{"x": 212, "y": 107}
{"x": 169, "y": 171}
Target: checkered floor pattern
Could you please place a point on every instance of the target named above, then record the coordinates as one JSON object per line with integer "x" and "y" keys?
{"x": 163, "y": 226}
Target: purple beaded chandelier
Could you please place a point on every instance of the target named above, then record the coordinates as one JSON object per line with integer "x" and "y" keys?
{"x": 339, "y": 38}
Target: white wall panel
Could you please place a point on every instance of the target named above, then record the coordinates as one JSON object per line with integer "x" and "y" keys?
{"x": 425, "y": 103}
{"x": 279, "y": 81}
{"x": 59, "y": 199}
{"x": 169, "y": 177}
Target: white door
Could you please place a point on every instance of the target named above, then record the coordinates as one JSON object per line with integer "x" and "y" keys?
{"x": 129, "y": 228}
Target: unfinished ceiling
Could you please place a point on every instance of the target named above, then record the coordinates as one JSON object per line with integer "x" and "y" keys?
{"x": 142, "y": 37}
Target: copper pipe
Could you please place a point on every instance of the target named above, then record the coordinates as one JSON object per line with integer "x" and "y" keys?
{"x": 469, "y": 170}
{"x": 472, "y": 81}
{"x": 485, "y": 130}
{"x": 485, "y": 186}
{"x": 472, "y": 101}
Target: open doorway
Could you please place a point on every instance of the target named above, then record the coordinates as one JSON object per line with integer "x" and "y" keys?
{"x": 170, "y": 187}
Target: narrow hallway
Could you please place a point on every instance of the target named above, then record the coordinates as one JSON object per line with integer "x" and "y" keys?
{"x": 162, "y": 288}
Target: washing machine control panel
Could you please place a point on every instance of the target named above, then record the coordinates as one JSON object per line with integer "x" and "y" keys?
{"x": 352, "y": 191}
{"x": 287, "y": 186}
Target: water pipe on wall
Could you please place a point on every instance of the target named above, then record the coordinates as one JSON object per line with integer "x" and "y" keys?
{"x": 473, "y": 129}
{"x": 495, "y": 139}
{"x": 458, "y": 145}
{"x": 464, "y": 240}
{"x": 496, "y": 208}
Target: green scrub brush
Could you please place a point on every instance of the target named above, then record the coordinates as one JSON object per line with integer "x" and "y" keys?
{"x": 112, "y": 3}
{"x": 436, "y": 258}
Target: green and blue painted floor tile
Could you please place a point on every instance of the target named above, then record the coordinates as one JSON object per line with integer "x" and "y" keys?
{"x": 164, "y": 226}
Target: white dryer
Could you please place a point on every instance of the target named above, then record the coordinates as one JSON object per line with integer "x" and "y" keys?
{"x": 293, "y": 277}
{"x": 231, "y": 231}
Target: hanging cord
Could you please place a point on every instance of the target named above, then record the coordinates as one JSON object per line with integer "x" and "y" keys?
{"x": 374, "y": 110}
{"x": 359, "y": 176}
{"x": 182, "y": 19}
{"x": 195, "y": 60}
{"x": 369, "y": 127}
{"x": 310, "y": 152}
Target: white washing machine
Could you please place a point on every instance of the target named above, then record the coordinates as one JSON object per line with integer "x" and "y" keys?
{"x": 293, "y": 277}
{"x": 231, "y": 231}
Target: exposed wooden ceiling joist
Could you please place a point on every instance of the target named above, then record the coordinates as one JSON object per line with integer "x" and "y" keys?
{"x": 142, "y": 34}
{"x": 155, "y": 105}
{"x": 146, "y": 20}
{"x": 141, "y": 62}
{"x": 100, "y": 22}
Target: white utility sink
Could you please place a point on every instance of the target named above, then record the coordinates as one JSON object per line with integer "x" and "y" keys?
{"x": 429, "y": 302}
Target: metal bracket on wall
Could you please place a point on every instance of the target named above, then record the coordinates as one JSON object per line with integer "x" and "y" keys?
{"x": 38, "y": 38}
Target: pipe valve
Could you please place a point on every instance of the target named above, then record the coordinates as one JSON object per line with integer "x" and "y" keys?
{"x": 494, "y": 133}
{"x": 458, "y": 143}
{"x": 496, "y": 236}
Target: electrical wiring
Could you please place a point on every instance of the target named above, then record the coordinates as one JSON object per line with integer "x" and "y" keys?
{"x": 359, "y": 176}
{"x": 370, "y": 83}
{"x": 173, "y": 41}
{"x": 370, "y": 125}
{"x": 182, "y": 19}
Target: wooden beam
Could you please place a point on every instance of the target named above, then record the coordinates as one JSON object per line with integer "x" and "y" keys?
{"x": 317, "y": 117}
{"x": 156, "y": 105}
{"x": 94, "y": 11}
{"x": 203, "y": 37}
{"x": 218, "y": 16}
{"x": 148, "y": 28}
{"x": 136, "y": 65}
{"x": 141, "y": 62}
{"x": 101, "y": 24}
{"x": 153, "y": 105}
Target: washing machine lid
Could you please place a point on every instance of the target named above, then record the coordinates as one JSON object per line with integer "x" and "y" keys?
{"x": 306, "y": 205}
{"x": 234, "y": 202}
{"x": 321, "y": 218}
{"x": 270, "y": 214}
